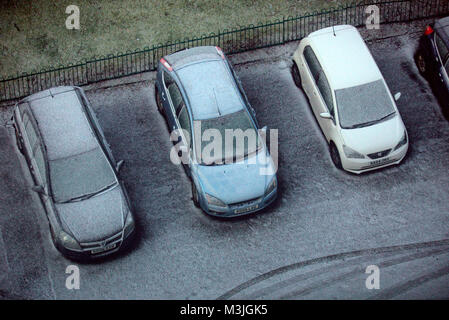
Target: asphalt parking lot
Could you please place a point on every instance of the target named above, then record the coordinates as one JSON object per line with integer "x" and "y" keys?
{"x": 314, "y": 242}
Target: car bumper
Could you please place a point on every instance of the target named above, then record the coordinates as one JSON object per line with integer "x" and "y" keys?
{"x": 241, "y": 210}
{"x": 364, "y": 165}
{"x": 85, "y": 255}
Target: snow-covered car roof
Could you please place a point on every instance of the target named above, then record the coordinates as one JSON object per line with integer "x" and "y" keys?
{"x": 344, "y": 56}
{"x": 62, "y": 122}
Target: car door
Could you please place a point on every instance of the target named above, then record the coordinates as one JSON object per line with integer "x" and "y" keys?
{"x": 326, "y": 104}
{"x": 95, "y": 125}
{"x": 183, "y": 123}
{"x": 443, "y": 55}
{"x": 313, "y": 72}
{"x": 171, "y": 98}
{"x": 243, "y": 94}
{"x": 36, "y": 159}
{"x": 309, "y": 69}
{"x": 30, "y": 140}
{"x": 42, "y": 180}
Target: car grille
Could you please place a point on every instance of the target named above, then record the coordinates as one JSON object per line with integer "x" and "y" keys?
{"x": 244, "y": 203}
{"x": 380, "y": 154}
{"x": 99, "y": 247}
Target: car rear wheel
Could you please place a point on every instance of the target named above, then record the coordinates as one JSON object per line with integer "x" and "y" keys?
{"x": 195, "y": 196}
{"x": 335, "y": 156}
{"x": 160, "y": 108}
{"x": 296, "y": 75}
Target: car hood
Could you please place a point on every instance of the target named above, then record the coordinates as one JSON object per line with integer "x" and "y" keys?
{"x": 96, "y": 218}
{"x": 239, "y": 181}
{"x": 378, "y": 137}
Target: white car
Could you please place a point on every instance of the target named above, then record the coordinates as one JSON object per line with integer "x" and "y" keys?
{"x": 350, "y": 100}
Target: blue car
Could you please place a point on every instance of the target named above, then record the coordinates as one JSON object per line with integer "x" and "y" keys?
{"x": 199, "y": 94}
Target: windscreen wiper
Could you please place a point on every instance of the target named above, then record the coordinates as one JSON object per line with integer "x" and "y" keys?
{"x": 369, "y": 123}
{"x": 90, "y": 195}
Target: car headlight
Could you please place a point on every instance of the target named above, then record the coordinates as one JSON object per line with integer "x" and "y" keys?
{"x": 402, "y": 142}
{"x": 214, "y": 201}
{"x": 350, "y": 153}
{"x": 68, "y": 241}
{"x": 271, "y": 186}
{"x": 129, "y": 225}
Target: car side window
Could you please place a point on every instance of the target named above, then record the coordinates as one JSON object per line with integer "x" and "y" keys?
{"x": 442, "y": 49}
{"x": 326, "y": 92}
{"x": 184, "y": 122}
{"x": 30, "y": 131}
{"x": 168, "y": 80}
{"x": 40, "y": 161}
{"x": 176, "y": 97}
{"x": 22, "y": 108}
{"x": 312, "y": 62}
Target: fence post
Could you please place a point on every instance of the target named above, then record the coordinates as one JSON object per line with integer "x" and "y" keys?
{"x": 86, "y": 73}
{"x": 283, "y": 29}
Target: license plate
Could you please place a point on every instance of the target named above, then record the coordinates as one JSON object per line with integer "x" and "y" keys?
{"x": 246, "y": 209}
{"x": 380, "y": 161}
{"x": 106, "y": 248}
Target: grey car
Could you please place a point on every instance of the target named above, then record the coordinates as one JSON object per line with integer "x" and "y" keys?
{"x": 74, "y": 173}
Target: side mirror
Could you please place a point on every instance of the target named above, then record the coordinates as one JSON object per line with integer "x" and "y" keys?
{"x": 264, "y": 129}
{"x": 326, "y": 115}
{"x": 119, "y": 165}
{"x": 397, "y": 96}
{"x": 39, "y": 189}
{"x": 182, "y": 150}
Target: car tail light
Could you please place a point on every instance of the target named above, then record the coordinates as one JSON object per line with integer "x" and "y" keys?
{"x": 166, "y": 64}
{"x": 428, "y": 30}
{"x": 220, "y": 52}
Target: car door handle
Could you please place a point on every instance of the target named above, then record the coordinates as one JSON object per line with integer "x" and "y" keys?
{"x": 314, "y": 93}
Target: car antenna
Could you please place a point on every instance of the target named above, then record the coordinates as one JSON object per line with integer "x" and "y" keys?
{"x": 333, "y": 29}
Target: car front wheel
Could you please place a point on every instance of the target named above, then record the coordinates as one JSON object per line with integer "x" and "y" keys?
{"x": 335, "y": 155}
{"x": 195, "y": 196}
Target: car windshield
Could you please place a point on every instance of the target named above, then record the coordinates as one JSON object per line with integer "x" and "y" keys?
{"x": 364, "y": 105}
{"x": 81, "y": 176}
{"x": 225, "y": 139}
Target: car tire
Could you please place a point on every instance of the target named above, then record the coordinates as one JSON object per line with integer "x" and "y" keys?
{"x": 421, "y": 64}
{"x": 159, "y": 105}
{"x": 195, "y": 196}
{"x": 335, "y": 156}
{"x": 296, "y": 75}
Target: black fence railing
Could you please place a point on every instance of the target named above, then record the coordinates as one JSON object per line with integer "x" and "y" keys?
{"x": 230, "y": 40}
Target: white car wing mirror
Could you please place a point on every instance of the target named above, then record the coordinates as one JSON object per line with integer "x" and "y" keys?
{"x": 325, "y": 115}
{"x": 397, "y": 96}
